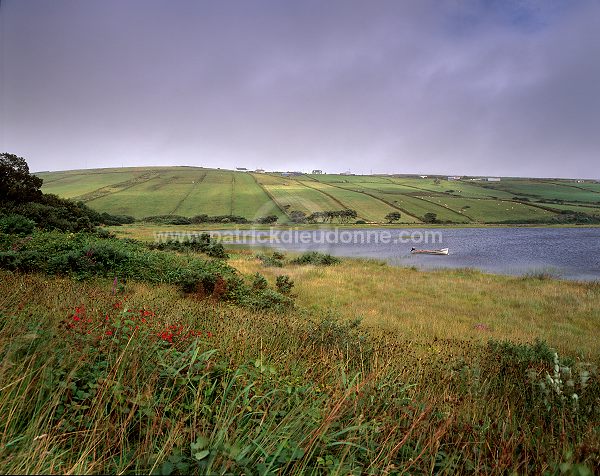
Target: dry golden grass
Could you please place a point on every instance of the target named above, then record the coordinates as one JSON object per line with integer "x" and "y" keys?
{"x": 461, "y": 304}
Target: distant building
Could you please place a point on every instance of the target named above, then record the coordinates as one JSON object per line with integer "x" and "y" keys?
{"x": 291, "y": 174}
{"x": 241, "y": 169}
{"x": 493, "y": 179}
{"x": 259, "y": 171}
{"x": 454, "y": 177}
{"x": 423, "y": 176}
{"x": 347, "y": 172}
{"x": 317, "y": 172}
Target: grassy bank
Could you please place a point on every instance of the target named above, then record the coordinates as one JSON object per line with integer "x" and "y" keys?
{"x": 459, "y": 304}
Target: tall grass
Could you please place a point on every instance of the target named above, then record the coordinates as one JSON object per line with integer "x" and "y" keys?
{"x": 457, "y": 304}
{"x": 256, "y": 393}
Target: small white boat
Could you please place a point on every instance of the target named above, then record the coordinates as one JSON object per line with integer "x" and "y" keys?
{"x": 443, "y": 251}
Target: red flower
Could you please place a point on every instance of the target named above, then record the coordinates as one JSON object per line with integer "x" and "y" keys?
{"x": 109, "y": 333}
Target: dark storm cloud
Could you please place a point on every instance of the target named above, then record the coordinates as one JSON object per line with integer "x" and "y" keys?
{"x": 474, "y": 87}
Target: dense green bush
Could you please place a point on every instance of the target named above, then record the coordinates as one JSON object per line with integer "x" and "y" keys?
{"x": 266, "y": 220}
{"x": 259, "y": 282}
{"x": 218, "y": 219}
{"x": 314, "y": 257}
{"x": 284, "y": 284}
{"x": 168, "y": 220}
{"x": 275, "y": 260}
{"x": 564, "y": 217}
{"x": 84, "y": 255}
{"x": 50, "y": 212}
{"x": 16, "y": 183}
{"x": 16, "y": 224}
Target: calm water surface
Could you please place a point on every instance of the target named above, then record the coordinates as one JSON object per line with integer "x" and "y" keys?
{"x": 570, "y": 253}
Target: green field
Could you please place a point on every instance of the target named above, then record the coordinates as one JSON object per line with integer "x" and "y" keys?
{"x": 189, "y": 191}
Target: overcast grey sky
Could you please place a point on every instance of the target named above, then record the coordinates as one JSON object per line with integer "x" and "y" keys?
{"x": 496, "y": 87}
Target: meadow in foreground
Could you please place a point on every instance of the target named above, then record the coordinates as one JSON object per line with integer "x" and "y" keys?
{"x": 101, "y": 376}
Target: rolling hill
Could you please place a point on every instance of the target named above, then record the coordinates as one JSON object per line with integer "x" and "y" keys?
{"x": 189, "y": 191}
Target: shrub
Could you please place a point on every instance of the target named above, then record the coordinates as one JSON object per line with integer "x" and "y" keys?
{"x": 104, "y": 233}
{"x": 430, "y": 218}
{"x": 259, "y": 282}
{"x": 316, "y": 258}
{"x": 267, "y": 219}
{"x": 393, "y": 216}
{"x": 284, "y": 284}
{"x": 202, "y": 243}
{"x": 16, "y": 224}
{"x": 278, "y": 255}
{"x": 168, "y": 220}
{"x": 298, "y": 216}
{"x": 84, "y": 255}
{"x": 218, "y": 219}
{"x": 268, "y": 299}
{"x": 16, "y": 183}
{"x": 271, "y": 261}
{"x": 50, "y": 212}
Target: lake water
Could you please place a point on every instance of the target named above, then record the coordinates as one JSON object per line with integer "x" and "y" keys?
{"x": 569, "y": 253}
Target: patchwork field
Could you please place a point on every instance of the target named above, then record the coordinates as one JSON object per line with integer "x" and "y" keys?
{"x": 189, "y": 191}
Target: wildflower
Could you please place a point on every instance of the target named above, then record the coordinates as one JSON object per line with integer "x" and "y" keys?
{"x": 109, "y": 333}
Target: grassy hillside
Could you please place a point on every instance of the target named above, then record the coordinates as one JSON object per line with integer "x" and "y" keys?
{"x": 190, "y": 191}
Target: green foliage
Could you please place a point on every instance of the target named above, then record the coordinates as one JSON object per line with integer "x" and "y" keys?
{"x": 168, "y": 220}
{"x": 266, "y": 220}
{"x": 85, "y": 255}
{"x": 278, "y": 255}
{"x": 219, "y": 219}
{"x": 259, "y": 282}
{"x": 327, "y": 216}
{"x": 316, "y": 258}
{"x": 297, "y": 216}
{"x": 300, "y": 393}
{"x": 267, "y": 300}
{"x": 564, "y": 217}
{"x": 16, "y": 183}
{"x": 275, "y": 260}
{"x": 16, "y": 224}
{"x": 509, "y": 354}
{"x": 50, "y": 212}
{"x": 430, "y": 217}
{"x": 393, "y": 216}
{"x": 284, "y": 284}
{"x": 196, "y": 219}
